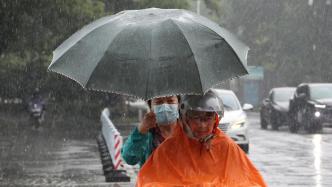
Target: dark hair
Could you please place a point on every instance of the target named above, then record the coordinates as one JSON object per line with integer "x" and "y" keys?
{"x": 149, "y": 101}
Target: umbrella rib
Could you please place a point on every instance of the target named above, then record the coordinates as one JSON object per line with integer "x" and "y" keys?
{"x": 83, "y": 32}
{"x": 111, "y": 42}
{"x": 233, "y": 50}
{"x": 94, "y": 89}
{"x": 237, "y": 48}
{"x": 200, "y": 81}
{"x": 68, "y": 76}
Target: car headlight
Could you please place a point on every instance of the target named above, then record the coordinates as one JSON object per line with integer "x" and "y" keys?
{"x": 317, "y": 114}
{"x": 320, "y": 106}
{"x": 238, "y": 124}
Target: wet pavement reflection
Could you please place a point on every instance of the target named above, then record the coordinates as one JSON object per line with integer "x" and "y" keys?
{"x": 287, "y": 159}
{"x": 49, "y": 157}
{"x": 53, "y": 157}
{"x": 317, "y": 156}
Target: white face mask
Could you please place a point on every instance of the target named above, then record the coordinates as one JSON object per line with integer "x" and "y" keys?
{"x": 166, "y": 113}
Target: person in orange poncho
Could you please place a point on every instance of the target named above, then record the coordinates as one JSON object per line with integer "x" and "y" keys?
{"x": 198, "y": 153}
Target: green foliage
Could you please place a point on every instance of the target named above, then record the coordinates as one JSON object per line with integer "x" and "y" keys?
{"x": 179, "y": 4}
{"x": 289, "y": 38}
{"x": 36, "y": 25}
{"x": 115, "y": 6}
{"x": 32, "y": 29}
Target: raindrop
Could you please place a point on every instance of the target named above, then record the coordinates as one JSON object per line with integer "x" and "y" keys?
{"x": 310, "y": 2}
{"x": 314, "y": 13}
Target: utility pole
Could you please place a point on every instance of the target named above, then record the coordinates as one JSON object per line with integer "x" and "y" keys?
{"x": 198, "y": 7}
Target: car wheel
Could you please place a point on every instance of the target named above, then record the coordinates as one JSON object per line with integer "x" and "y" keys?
{"x": 245, "y": 148}
{"x": 308, "y": 123}
{"x": 293, "y": 124}
{"x": 293, "y": 127}
{"x": 314, "y": 127}
{"x": 274, "y": 122}
{"x": 263, "y": 122}
{"x": 288, "y": 120}
{"x": 309, "y": 127}
{"x": 319, "y": 127}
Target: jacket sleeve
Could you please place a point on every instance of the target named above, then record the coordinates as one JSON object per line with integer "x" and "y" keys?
{"x": 135, "y": 148}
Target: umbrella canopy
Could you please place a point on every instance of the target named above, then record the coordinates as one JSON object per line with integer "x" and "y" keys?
{"x": 151, "y": 52}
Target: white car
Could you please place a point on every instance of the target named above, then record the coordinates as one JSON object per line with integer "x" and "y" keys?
{"x": 234, "y": 122}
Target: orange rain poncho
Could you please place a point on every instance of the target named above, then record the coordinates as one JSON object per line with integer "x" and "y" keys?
{"x": 181, "y": 161}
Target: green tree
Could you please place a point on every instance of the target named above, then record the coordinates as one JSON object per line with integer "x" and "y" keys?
{"x": 180, "y": 4}
{"x": 31, "y": 31}
{"x": 291, "y": 39}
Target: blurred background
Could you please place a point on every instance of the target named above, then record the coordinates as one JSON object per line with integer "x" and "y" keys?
{"x": 290, "y": 42}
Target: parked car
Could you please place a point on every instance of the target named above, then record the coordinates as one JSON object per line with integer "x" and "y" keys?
{"x": 311, "y": 107}
{"x": 274, "y": 108}
{"x": 234, "y": 123}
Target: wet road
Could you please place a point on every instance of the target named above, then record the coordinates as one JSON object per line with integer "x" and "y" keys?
{"x": 50, "y": 158}
{"x": 54, "y": 156}
{"x": 295, "y": 160}
{"x": 41, "y": 160}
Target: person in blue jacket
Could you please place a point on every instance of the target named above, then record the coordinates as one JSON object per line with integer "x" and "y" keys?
{"x": 155, "y": 127}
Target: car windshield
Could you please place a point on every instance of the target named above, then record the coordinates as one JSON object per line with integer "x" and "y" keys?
{"x": 321, "y": 91}
{"x": 230, "y": 101}
{"x": 283, "y": 95}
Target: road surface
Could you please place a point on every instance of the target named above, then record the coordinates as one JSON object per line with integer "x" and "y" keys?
{"x": 51, "y": 158}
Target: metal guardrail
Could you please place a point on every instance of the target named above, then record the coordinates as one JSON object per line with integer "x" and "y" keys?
{"x": 110, "y": 144}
